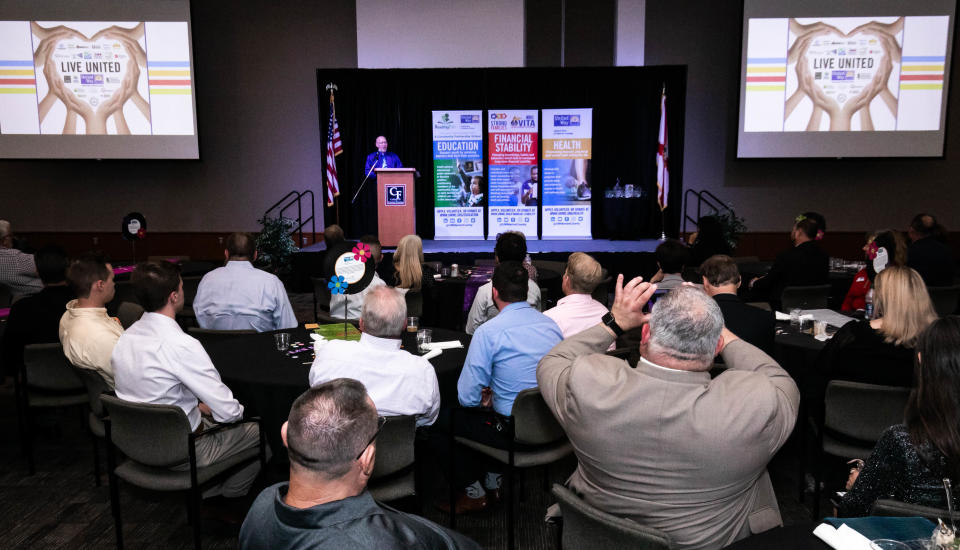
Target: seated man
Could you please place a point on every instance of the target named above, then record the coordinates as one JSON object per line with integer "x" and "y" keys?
{"x": 663, "y": 444}
{"x": 87, "y": 333}
{"x": 577, "y": 310}
{"x": 927, "y": 254}
{"x": 721, "y": 279}
{"x": 333, "y": 235}
{"x": 154, "y": 361}
{"x": 511, "y": 247}
{"x": 804, "y": 264}
{"x": 331, "y": 439}
{"x": 355, "y": 301}
{"x": 33, "y": 320}
{"x": 399, "y": 383}
{"x": 500, "y": 363}
{"x": 240, "y": 296}
{"x": 672, "y": 255}
{"x": 18, "y": 271}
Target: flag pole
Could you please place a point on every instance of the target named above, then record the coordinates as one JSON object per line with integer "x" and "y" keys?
{"x": 336, "y": 204}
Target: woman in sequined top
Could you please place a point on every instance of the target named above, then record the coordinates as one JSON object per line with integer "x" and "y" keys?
{"x": 911, "y": 460}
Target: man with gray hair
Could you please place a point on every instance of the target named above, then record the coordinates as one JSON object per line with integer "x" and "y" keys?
{"x": 398, "y": 382}
{"x": 18, "y": 271}
{"x": 331, "y": 437}
{"x": 663, "y": 444}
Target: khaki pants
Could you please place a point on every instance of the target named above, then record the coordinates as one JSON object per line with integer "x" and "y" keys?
{"x": 222, "y": 445}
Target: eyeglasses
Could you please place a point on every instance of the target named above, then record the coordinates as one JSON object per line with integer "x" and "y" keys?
{"x": 381, "y": 420}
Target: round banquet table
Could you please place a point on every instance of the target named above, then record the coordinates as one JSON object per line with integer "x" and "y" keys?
{"x": 791, "y": 537}
{"x": 267, "y": 381}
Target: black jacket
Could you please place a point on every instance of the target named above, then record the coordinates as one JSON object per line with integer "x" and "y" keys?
{"x": 753, "y": 324}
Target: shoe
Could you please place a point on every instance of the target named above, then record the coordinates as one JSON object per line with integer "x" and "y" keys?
{"x": 464, "y": 504}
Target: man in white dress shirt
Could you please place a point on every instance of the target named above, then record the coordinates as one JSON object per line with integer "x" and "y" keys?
{"x": 355, "y": 301}
{"x": 239, "y": 296}
{"x": 398, "y": 382}
{"x": 511, "y": 246}
{"x": 154, "y": 361}
{"x": 577, "y": 310}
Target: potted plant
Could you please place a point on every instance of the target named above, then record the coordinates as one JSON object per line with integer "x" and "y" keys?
{"x": 274, "y": 245}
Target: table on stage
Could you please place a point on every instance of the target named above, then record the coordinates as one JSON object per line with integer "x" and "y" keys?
{"x": 267, "y": 381}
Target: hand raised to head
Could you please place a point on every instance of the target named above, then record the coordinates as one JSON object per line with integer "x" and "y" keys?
{"x": 629, "y": 300}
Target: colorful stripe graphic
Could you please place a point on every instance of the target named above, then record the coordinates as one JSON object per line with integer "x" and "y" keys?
{"x": 766, "y": 74}
{"x": 169, "y": 77}
{"x": 17, "y": 77}
{"x": 922, "y": 72}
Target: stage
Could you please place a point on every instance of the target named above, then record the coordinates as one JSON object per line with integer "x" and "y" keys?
{"x": 590, "y": 246}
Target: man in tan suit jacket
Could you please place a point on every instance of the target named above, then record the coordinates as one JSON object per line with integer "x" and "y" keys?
{"x": 663, "y": 444}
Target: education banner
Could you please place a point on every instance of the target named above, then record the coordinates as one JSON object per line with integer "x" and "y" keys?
{"x": 458, "y": 174}
{"x": 514, "y": 179}
{"x": 567, "y": 135}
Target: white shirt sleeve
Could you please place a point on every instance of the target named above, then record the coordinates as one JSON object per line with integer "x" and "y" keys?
{"x": 198, "y": 374}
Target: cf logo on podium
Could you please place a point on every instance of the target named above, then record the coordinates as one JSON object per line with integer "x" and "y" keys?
{"x": 396, "y": 195}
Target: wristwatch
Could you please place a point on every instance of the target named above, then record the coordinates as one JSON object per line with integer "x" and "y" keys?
{"x": 612, "y": 323}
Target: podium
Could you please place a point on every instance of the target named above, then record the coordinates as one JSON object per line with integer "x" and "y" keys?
{"x": 396, "y": 214}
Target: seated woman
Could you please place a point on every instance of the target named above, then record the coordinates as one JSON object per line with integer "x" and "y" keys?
{"x": 911, "y": 460}
{"x": 895, "y": 248}
{"x": 880, "y": 350}
{"x": 411, "y": 275}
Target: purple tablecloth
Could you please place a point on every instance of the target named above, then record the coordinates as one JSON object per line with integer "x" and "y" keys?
{"x": 480, "y": 275}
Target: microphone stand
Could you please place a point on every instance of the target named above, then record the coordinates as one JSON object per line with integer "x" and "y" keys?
{"x": 357, "y": 194}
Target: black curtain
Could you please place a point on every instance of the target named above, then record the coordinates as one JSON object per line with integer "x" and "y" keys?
{"x": 397, "y": 103}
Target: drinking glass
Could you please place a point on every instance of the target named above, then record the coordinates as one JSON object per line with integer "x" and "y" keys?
{"x": 413, "y": 324}
{"x": 282, "y": 339}
{"x": 795, "y": 318}
{"x": 424, "y": 336}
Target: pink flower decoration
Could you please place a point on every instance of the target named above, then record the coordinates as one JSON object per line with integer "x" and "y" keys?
{"x": 361, "y": 252}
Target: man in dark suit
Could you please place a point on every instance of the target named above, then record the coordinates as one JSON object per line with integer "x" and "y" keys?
{"x": 721, "y": 279}
{"x": 805, "y": 264}
{"x": 927, "y": 253}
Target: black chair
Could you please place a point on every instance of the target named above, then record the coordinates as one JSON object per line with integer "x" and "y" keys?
{"x": 805, "y": 297}
{"x": 534, "y": 439}
{"x": 855, "y": 416}
{"x": 46, "y": 380}
{"x": 95, "y": 385}
{"x": 944, "y": 298}
{"x": 155, "y": 438}
{"x": 896, "y": 508}
{"x": 6, "y": 298}
{"x": 129, "y": 313}
{"x": 414, "y": 303}
{"x": 394, "y": 474}
{"x": 585, "y": 526}
{"x": 321, "y": 296}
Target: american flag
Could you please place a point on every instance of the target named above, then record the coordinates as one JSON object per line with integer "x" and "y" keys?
{"x": 334, "y": 148}
{"x": 663, "y": 175}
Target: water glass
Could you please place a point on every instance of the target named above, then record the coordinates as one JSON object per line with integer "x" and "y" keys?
{"x": 413, "y": 324}
{"x": 795, "y": 318}
{"x": 445, "y": 272}
{"x": 819, "y": 328}
{"x": 454, "y": 270}
{"x": 888, "y": 544}
{"x": 424, "y": 336}
{"x": 282, "y": 339}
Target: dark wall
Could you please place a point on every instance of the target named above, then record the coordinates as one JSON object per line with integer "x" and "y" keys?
{"x": 852, "y": 194}
{"x": 255, "y": 68}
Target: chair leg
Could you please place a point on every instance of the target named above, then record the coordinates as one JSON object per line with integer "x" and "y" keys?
{"x": 114, "y": 490}
{"x": 96, "y": 460}
{"x": 509, "y": 494}
{"x": 453, "y": 490}
{"x": 195, "y": 505}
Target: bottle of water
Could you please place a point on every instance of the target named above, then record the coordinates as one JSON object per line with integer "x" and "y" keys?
{"x": 869, "y": 307}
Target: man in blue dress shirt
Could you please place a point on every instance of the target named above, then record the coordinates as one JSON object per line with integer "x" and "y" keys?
{"x": 381, "y": 158}
{"x": 501, "y": 362}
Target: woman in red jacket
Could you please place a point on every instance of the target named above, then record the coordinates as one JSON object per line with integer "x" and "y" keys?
{"x": 896, "y": 252}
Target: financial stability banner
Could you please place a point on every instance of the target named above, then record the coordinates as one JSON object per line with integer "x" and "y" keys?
{"x": 458, "y": 182}
{"x": 567, "y": 135}
{"x": 514, "y": 179}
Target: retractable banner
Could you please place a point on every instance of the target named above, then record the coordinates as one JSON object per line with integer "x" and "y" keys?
{"x": 567, "y": 135}
{"x": 514, "y": 179}
{"x": 458, "y": 174}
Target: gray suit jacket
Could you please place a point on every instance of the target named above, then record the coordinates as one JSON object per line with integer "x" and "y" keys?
{"x": 671, "y": 449}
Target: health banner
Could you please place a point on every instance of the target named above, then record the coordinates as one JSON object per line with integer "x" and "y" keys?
{"x": 514, "y": 178}
{"x": 567, "y": 135}
{"x": 458, "y": 174}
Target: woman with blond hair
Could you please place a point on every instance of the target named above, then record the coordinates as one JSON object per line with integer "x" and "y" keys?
{"x": 881, "y": 350}
{"x": 412, "y": 276}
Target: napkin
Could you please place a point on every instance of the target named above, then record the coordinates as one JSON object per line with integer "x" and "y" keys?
{"x": 450, "y": 344}
{"x": 786, "y": 316}
{"x": 432, "y": 354}
{"x": 843, "y": 538}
